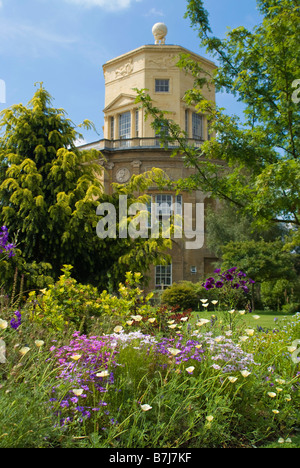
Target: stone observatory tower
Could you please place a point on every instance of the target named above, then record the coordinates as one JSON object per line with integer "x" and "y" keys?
{"x": 131, "y": 146}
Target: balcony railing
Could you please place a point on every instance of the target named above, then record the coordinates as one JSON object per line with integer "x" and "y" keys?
{"x": 136, "y": 143}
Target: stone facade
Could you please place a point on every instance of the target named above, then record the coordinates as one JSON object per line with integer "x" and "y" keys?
{"x": 130, "y": 146}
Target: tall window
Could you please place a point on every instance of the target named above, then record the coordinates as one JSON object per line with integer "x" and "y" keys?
{"x": 125, "y": 126}
{"x": 187, "y": 122}
{"x": 163, "y": 276}
{"x": 165, "y": 206}
{"x": 162, "y": 86}
{"x": 137, "y": 123}
{"x": 112, "y": 128}
{"x": 197, "y": 124}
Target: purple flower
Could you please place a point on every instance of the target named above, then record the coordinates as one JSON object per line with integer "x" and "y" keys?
{"x": 219, "y": 284}
{"x": 5, "y": 246}
{"x": 229, "y": 277}
{"x": 15, "y": 323}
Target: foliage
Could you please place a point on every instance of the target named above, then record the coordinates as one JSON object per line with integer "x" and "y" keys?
{"x": 185, "y": 295}
{"x": 64, "y": 303}
{"x": 69, "y": 303}
{"x": 276, "y": 294}
{"x": 130, "y": 300}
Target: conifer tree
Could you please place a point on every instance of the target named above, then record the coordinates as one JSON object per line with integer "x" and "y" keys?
{"x": 49, "y": 192}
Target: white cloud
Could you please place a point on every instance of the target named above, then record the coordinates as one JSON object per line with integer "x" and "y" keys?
{"x": 111, "y": 5}
{"x": 18, "y": 38}
{"x": 154, "y": 12}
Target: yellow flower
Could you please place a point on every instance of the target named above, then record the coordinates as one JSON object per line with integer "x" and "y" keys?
{"x": 232, "y": 379}
{"x": 76, "y": 357}
{"x": 279, "y": 389}
{"x": 256, "y": 317}
{"x": 152, "y": 320}
{"x": 275, "y": 411}
{"x": 244, "y": 338}
{"x": 280, "y": 381}
{"x": 288, "y": 398}
{"x": 205, "y": 305}
{"x": 245, "y": 373}
{"x": 250, "y": 331}
{"x": 118, "y": 329}
{"x": 242, "y": 312}
{"x": 209, "y": 418}
{"x": 203, "y": 300}
{"x": 39, "y": 343}
{"x": 77, "y": 391}
{"x": 291, "y": 349}
{"x": 3, "y": 324}
{"x": 137, "y": 318}
{"x": 146, "y": 407}
{"x": 170, "y": 322}
{"x": 214, "y": 302}
{"x": 198, "y": 346}
{"x": 104, "y": 373}
{"x": 190, "y": 369}
{"x": 184, "y": 319}
{"x": 24, "y": 350}
{"x": 173, "y": 326}
{"x": 174, "y": 351}
{"x": 129, "y": 322}
{"x": 202, "y": 322}
{"x": 272, "y": 394}
{"x": 281, "y": 440}
{"x": 231, "y": 311}
{"x": 219, "y": 338}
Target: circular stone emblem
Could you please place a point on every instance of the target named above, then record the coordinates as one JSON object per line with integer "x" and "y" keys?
{"x": 123, "y": 175}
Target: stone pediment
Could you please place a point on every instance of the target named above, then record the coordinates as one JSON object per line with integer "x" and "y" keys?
{"x": 123, "y": 100}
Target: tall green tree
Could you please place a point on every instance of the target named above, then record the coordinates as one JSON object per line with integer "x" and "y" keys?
{"x": 50, "y": 191}
{"x": 252, "y": 162}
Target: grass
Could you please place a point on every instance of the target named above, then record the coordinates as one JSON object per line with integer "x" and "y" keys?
{"x": 267, "y": 320}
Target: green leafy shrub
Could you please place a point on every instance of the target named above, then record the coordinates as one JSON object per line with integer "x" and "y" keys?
{"x": 281, "y": 295}
{"x": 130, "y": 298}
{"x": 68, "y": 302}
{"x": 64, "y": 302}
{"x": 185, "y": 295}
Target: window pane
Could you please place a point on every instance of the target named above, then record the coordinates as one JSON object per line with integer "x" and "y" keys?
{"x": 164, "y": 204}
{"x": 162, "y": 86}
{"x": 197, "y": 126}
{"x": 125, "y": 125}
{"x": 187, "y": 122}
{"x": 137, "y": 123}
{"x": 163, "y": 275}
{"x": 112, "y": 128}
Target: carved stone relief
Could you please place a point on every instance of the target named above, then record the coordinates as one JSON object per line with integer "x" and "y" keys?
{"x": 123, "y": 175}
{"x": 125, "y": 70}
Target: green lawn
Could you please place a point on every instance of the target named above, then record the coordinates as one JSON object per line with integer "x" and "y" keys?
{"x": 268, "y": 319}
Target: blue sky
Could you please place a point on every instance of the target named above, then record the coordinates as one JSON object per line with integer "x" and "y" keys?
{"x": 64, "y": 43}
